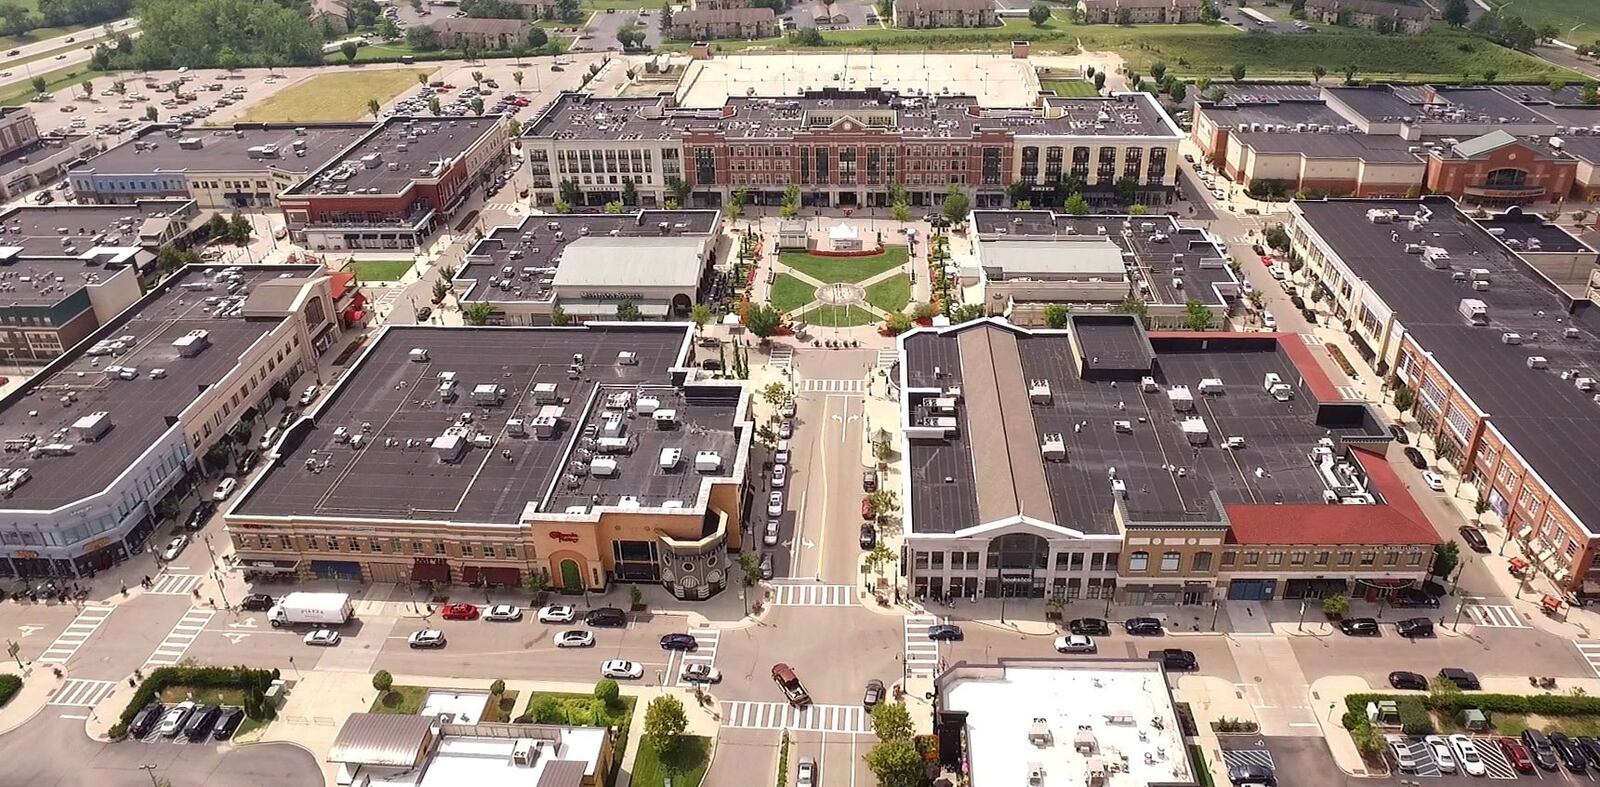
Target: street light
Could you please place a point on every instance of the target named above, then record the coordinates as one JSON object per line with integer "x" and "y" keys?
{"x": 150, "y": 769}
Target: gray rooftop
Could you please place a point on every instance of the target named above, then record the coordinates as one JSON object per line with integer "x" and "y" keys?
{"x": 1376, "y": 103}
{"x": 66, "y": 230}
{"x": 395, "y": 153}
{"x": 243, "y": 148}
{"x": 1288, "y": 113}
{"x": 1382, "y": 148}
{"x": 400, "y": 475}
{"x": 1545, "y": 418}
{"x": 140, "y": 409}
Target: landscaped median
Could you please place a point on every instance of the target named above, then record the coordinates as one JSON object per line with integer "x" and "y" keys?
{"x": 1441, "y": 711}
{"x": 237, "y": 686}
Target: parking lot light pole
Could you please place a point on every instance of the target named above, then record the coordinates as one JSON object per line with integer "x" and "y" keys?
{"x": 1461, "y": 607}
{"x": 150, "y": 769}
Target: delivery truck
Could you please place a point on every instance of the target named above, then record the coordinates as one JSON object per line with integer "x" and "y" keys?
{"x": 327, "y": 609}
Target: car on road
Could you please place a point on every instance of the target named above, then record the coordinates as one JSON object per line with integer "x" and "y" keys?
{"x": 424, "y": 313}
{"x": 781, "y": 456}
{"x": 701, "y": 673}
{"x": 459, "y": 612}
{"x": 1433, "y": 480}
{"x": 1416, "y": 458}
{"x": 1517, "y": 755}
{"x": 200, "y": 515}
{"x": 1540, "y": 748}
{"x": 610, "y": 617}
{"x": 174, "y": 548}
{"x": 1474, "y": 539}
{"x": 1075, "y": 643}
{"x": 621, "y": 668}
{"x": 256, "y": 602}
{"x": 1268, "y": 321}
{"x": 1143, "y": 627}
{"x": 1413, "y": 598}
{"x": 788, "y": 409}
{"x": 769, "y": 533}
{"x": 201, "y": 721}
{"x": 575, "y": 638}
{"x": 1177, "y": 659}
{"x": 786, "y": 429}
{"x": 780, "y": 476}
{"x": 1252, "y": 773}
{"x": 1405, "y": 758}
{"x": 227, "y": 724}
{"x": 173, "y": 720}
{"x": 1467, "y": 755}
{"x": 765, "y": 567}
{"x": 945, "y": 632}
{"x": 1409, "y": 681}
{"x": 1415, "y": 627}
{"x": 1443, "y": 757}
{"x": 1571, "y": 755}
{"x": 873, "y": 695}
{"x": 557, "y": 613}
{"x": 426, "y": 638}
{"x": 1094, "y": 627}
{"x": 1398, "y": 432}
{"x": 146, "y": 720}
{"x": 309, "y": 395}
{"x": 1464, "y": 680}
{"x": 501, "y": 613}
{"x": 805, "y": 774}
{"x": 679, "y": 641}
{"x": 869, "y": 536}
{"x": 322, "y": 637}
{"x": 1360, "y": 627}
{"x": 224, "y": 488}
{"x": 789, "y": 683}
{"x": 869, "y": 480}
{"x": 775, "y": 505}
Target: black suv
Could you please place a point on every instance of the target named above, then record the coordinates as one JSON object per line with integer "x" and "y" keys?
{"x": 256, "y": 602}
{"x": 869, "y": 536}
{"x": 1569, "y": 752}
{"x": 1416, "y": 458}
{"x": 606, "y": 616}
{"x": 200, "y": 724}
{"x": 145, "y": 720}
{"x": 1093, "y": 627}
{"x": 1415, "y": 627}
{"x": 201, "y": 513}
{"x": 1474, "y": 538}
{"x": 1146, "y": 627}
{"x": 1463, "y": 679}
{"x": 1414, "y": 597}
{"x": 1175, "y": 659}
{"x": 1540, "y": 749}
{"x": 1360, "y": 627}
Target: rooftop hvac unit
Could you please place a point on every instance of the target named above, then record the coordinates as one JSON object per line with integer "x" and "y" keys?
{"x": 1584, "y": 383}
{"x": 1124, "y": 427}
{"x": 602, "y": 467}
{"x": 488, "y": 393}
{"x": 665, "y": 418}
{"x": 1119, "y": 488}
{"x": 192, "y": 343}
{"x": 1053, "y": 448}
{"x": 1148, "y": 385}
{"x": 708, "y": 461}
{"x": 1476, "y": 311}
{"x": 1571, "y": 333}
{"x": 942, "y": 404}
{"x": 1510, "y": 338}
{"x": 1480, "y": 286}
{"x": 1194, "y": 429}
{"x": 1234, "y": 443}
{"x": 1039, "y": 391}
{"x": 611, "y": 425}
{"x": 627, "y": 358}
{"x": 544, "y": 426}
{"x": 645, "y": 405}
{"x": 1480, "y": 274}
{"x": 158, "y": 374}
{"x": 545, "y": 393}
{"x": 447, "y": 390}
{"x": 670, "y": 457}
{"x": 516, "y": 427}
{"x": 451, "y": 445}
{"x": 612, "y": 445}
{"x": 1182, "y": 400}
{"x": 419, "y": 355}
{"x": 92, "y": 426}
{"x": 1538, "y": 362}
{"x": 628, "y": 501}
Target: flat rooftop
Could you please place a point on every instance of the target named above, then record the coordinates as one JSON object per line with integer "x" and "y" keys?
{"x": 1547, "y": 419}
{"x": 69, "y": 230}
{"x": 393, "y": 401}
{"x": 962, "y": 481}
{"x": 301, "y": 148}
{"x": 1380, "y": 148}
{"x": 142, "y": 409}
{"x": 994, "y": 79}
{"x": 396, "y": 152}
{"x": 533, "y": 248}
{"x": 1090, "y": 713}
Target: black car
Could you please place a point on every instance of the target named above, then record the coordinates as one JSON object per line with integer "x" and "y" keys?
{"x": 424, "y": 313}
{"x": 869, "y": 536}
{"x": 1540, "y": 749}
{"x": 873, "y": 695}
{"x": 247, "y": 461}
{"x": 1143, "y": 627}
{"x": 1398, "y": 432}
{"x": 145, "y": 720}
{"x": 227, "y": 724}
{"x": 678, "y": 642}
{"x": 1416, "y": 458}
{"x": 201, "y": 513}
{"x": 945, "y": 632}
{"x": 1094, "y": 627}
{"x": 1474, "y": 538}
{"x": 1360, "y": 627}
{"x": 1414, "y": 598}
{"x": 1176, "y": 659}
{"x": 1569, "y": 752}
{"x": 1253, "y": 773}
{"x": 1463, "y": 679}
{"x": 1411, "y": 681}
{"x": 1415, "y": 627}
{"x": 1590, "y": 747}
{"x": 201, "y": 721}
{"x": 256, "y": 602}
{"x": 606, "y": 616}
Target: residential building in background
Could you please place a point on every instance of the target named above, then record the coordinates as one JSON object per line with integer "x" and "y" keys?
{"x": 480, "y": 33}
{"x": 945, "y": 13}
{"x": 725, "y": 22}
{"x": 333, "y": 13}
{"x": 1377, "y": 15}
{"x": 1116, "y": 12}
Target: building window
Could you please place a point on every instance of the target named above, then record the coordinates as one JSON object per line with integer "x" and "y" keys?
{"x": 921, "y": 559}
{"x": 1030, "y": 163}
{"x": 1139, "y": 561}
{"x": 1345, "y": 558}
{"x": 1368, "y": 557}
{"x": 1274, "y": 558}
{"x": 1202, "y": 562}
{"x": 937, "y": 559}
{"x": 1111, "y": 560}
{"x": 285, "y": 543}
{"x": 1322, "y": 558}
{"x": 1061, "y": 561}
{"x": 1229, "y": 559}
{"x": 1414, "y": 559}
{"x": 1297, "y": 558}
{"x": 466, "y": 549}
{"x": 438, "y": 547}
{"x": 1252, "y": 558}
{"x": 1391, "y": 558}
{"x": 416, "y": 547}
{"x": 1170, "y": 560}
{"x": 372, "y": 544}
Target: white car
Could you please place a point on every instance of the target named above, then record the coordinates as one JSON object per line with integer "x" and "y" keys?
{"x": 786, "y": 429}
{"x": 426, "y": 638}
{"x": 780, "y": 476}
{"x": 576, "y": 638}
{"x": 702, "y": 673}
{"x": 782, "y": 455}
{"x": 224, "y": 489}
{"x": 1075, "y": 643}
{"x": 1441, "y": 753}
{"x": 174, "y": 547}
{"x": 309, "y": 395}
{"x": 1268, "y": 321}
{"x": 788, "y": 409}
{"x": 1276, "y": 271}
{"x": 1467, "y": 755}
{"x": 775, "y": 505}
{"x": 324, "y": 637}
{"x": 557, "y": 613}
{"x": 503, "y": 612}
{"x": 1218, "y": 193}
{"x": 620, "y": 668}
{"x": 1433, "y": 480}
{"x": 172, "y": 721}
{"x": 769, "y": 536}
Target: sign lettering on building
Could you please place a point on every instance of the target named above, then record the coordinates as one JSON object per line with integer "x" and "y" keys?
{"x": 611, "y": 296}
{"x": 565, "y": 538}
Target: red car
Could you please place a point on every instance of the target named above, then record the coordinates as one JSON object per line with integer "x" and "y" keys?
{"x": 866, "y": 508}
{"x": 459, "y": 612}
{"x": 1517, "y": 754}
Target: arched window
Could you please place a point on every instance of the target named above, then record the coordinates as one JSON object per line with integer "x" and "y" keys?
{"x": 1506, "y": 179}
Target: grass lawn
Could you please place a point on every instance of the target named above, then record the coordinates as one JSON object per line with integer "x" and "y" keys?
{"x": 1071, "y": 87}
{"x": 789, "y": 293}
{"x": 55, "y": 81}
{"x": 838, "y": 317}
{"x": 891, "y": 294}
{"x": 502, "y": 711}
{"x": 248, "y": 726}
{"x": 401, "y": 700}
{"x": 620, "y": 717}
{"x": 207, "y": 696}
{"x": 1563, "y": 14}
{"x": 380, "y": 270}
{"x": 845, "y": 269}
{"x": 687, "y": 765}
{"x": 338, "y": 96}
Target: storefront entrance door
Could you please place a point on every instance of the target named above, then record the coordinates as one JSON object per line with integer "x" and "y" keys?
{"x": 571, "y": 577}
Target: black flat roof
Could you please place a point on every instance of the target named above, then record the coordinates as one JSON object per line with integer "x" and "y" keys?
{"x": 66, "y": 230}
{"x": 392, "y": 400}
{"x": 295, "y": 147}
{"x": 1546, "y": 419}
{"x": 417, "y": 147}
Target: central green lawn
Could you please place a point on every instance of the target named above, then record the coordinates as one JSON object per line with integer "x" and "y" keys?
{"x": 838, "y": 317}
{"x": 210, "y": 695}
{"x": 401, "y": 700}
{"x": 380, "y": 270}
{"x": 891, "y": 294}
{"x": 686, "y": 765}
{"x": 1070, "y": 87}
{"x": 1563, "y": 14}
{"x": 845, "y": 269}
{"x": 336, "y": 96}
{"x": 789, "y": 293}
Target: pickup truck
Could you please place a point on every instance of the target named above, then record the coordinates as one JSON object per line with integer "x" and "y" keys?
{"x": 795, "y": 693}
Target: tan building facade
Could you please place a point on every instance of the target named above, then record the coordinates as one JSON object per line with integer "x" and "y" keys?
{"x": 945, "y": 13}
{"x": 1139, "y": 12}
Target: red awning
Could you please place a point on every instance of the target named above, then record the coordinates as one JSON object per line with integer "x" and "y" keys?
{"x": 1518, "y": 564}
{"x": 430, "y": 569}
{"x": 354, "y": 315}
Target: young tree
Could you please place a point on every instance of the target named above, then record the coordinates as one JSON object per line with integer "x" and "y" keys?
{"x": 497, "y": 688}
{"x": 1179, "y": 91}
{"x": 665, "y": 722}
{"x": 382, "y": 681}
{"x": 896, "y": 763}
{"x": 700, "y": 314}
{"x": 537, "y": 38}
{"x": 1100, "y": 80}
{"x": 666, "y": 16}
{"x": 627, "y": 311}
{"x": 476, "y": 104}
{"x": 775, "y": 394}
{"x": 349, "y": 50}
{"x": 1196, "y": 317}
{"x": 1039, "y": 13}
{"x": 1077, "y": 205}
{"x": 1158, "y": 70}
{"x": 1127, "y": 190}
{"x": 762, "y": 320}
{"x": 956, "y": 203}
{"x": 1056, "y": 315}
{"x": 558, "y": 316}
{"x": 1237, "y": 72}
{"x": 40, "y": 86}
{"x": 1318, "y": 72}
{"x": 374, "y": 107}
{"x": 476, "y": 313}
{"x": 516, "y": 76}
{"x": 1405, "y": 398}
{"x": 1445, "y": 558}
{"x": 607, "y": 691}
{"x": 891, "y": 721}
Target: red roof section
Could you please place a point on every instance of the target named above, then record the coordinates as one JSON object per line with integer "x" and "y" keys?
{"x": 1305, "y": 361}
{"x": 341, "y": 281}
{"x": 1399, "y": 520}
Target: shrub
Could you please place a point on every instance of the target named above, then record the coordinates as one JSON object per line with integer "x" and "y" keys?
{"x": 253, "y": 681}
{"x": 548, "y": 710}
{"x": 1414, "y": 717}
{"x": 607, "y": 691}
{"x": 9, "y": 686}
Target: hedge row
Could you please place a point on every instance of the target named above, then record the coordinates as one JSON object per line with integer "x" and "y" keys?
{"x": 1454, "y": 702}
{"x": 254, "y": 681}
{"x": 9, "y": 686}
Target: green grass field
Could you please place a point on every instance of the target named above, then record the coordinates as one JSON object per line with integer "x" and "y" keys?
{"x": 338, "y": 96}
{"x": 891, "y": 294}
{"x": 56, "y": 82}
{"x": 838, "y": 317}
{"x": 380, "y": 270}
{"x": 686, "y": 766}
{"x": 1070, "y": 87}
{"x": 1563, "y": 14}
{"x": 401, "y": 700}
{"x": 790, "y": 293}
{"x": 846, "y": 269}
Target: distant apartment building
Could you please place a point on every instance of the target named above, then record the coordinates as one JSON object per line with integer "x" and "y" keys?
{"x": 1139, "y": 12}
{"x": 718, "y": 5}
{"x": 28, "y": 160}
{"x": 333, "y": 13}
{"x": 945, "y": 13}
{"x": 487, "y": 34}
{"x": 1371, "y": 15}
{"x": 725, "y": 22}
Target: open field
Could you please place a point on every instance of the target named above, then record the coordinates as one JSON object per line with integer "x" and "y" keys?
{"x": 337, "y": 96}
{"x": 845, "y": 269}
{"x": 686, "y": 767}
{"x": 891, "y": 294}
{"x": 380, "y": 270}
{"x": 1563, "y": 14}
{"x": 789, "y": 293}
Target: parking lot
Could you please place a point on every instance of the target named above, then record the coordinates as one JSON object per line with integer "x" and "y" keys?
{"x": 1310, "y": 763}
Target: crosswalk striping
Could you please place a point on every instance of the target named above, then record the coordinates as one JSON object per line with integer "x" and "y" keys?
{"x": 887, "y": 358}
{"x": 1495, "y": 616}
{"x": 166, "y": 584}
{"x": 1590, "y": 651}
{"x": 834, "y": 386}
{"x": 846, "y": 719}
{"x": 782, "y": 357}
{"x": 77, "y": 632}
{"x": 813, "y": 595}
{"x": 177, "y": 643}
{"x": 81, "y": 693}
{"x": 1312, "y": 340}
{"x": 1237, "y": 757}
{"x": 705, "y": 652}
{"x": 922, "y": 654}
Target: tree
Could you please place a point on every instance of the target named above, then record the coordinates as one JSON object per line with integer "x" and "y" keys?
{"x": 775, "y": 394}
{"x": 808, "y": 36}
{"x": 700, "y": 314}
{"x": 1039, "y": 13}
{"x": 373, "y": 108}
{"x": 569, "y": 191}
{"x": 422, "y": 78}
{"x": 1336, "y": 605}
{"x": 891, "y": 721}
{"x": 569, "y": 11}
{"x": 1277, "y": 237}
{"x": 476, "y": 313}
{"x": 88, "y": 89}
{"x": 666, "y": 16}
{"x": 627, "y": 311}
{"x": 1158, "y": 69}
{"x": 1127, "y": 190}
{"x": 1446, "y": 557}
{"x": 1056, "y": 315}
{"x": 40, "y": 86}
{"x": 497, "y": 688}
{"x": 1196, "y": 317}
{"x": 967, "y": 311}
{"x": 349, "y": 50}
{"x": 1237, "y": 72}
{"x": 1135, "y": 306}
{"x": 896, "y": 763}
{"x": 1455, "y": 13}
{"x": 1077, "y": 205}
{"x": 897, "y": 323}
{"x": 1100, "y": 81}
{"x": 387, "y": 30}
{"x": 1489, "y": 75}
{"x": 558, "y": 316}
{"x": 434, "y": 106}
{"x": 1124, "y": 16}
{"x": 1179, "y": 91}
{"x": 664, "y": 723}
{"x": 239, "y": 229}
{"x": 956, "y": 203}
{"x": 762, "y": 320}
{"x": 538, "y": 39}
{"x": 735, "y": 207}
{"x": 382, "y": 681}
{"x": 1318, "y": 72}
{"x": 614, "y": 207}
{"x": 1479, "y": 508}
{"x": 1349, "y": 74}
{"x": 477, "y": 105}
{"x": 1405, "y": 398}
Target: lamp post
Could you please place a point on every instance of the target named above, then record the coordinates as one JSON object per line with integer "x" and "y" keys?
{"x": 150, "y": 769}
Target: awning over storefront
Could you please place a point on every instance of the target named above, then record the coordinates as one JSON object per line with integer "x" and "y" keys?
{"x": 491, "y": 575}
{"x": 1550, "y": 603}
{"x": 267, "y": 566}
{"x": 648, "y": 308}
{"x": 430, "y": 569}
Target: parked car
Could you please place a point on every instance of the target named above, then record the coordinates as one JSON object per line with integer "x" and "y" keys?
{"x": 781, "y": 455}
{"x": 679, "y": 641}
{"x": 174, "y": 548}
{"x": 869, "y": 481}
{"x": 503, "y": 613}
{"x": 622, "y": 668}
{"x": 780, "y": 476}
{"x": 146, "y": 720}
{"x": 1474, "y": 539}
{"x": 1405, "y": 758}
{"x": 1398, "y": 432}
{"x": 575, "y": 638}
{"x": 1415, "y": 627}
{"x": 1360, "y": 627}
{"x": 1467, "y": 755}
{"x": 873, "y": 695}
{"x": 1517, "y": 755}
{"x": 1251, "y": 773}
{"x": 787, "y": 410}
{"x": 1571, "y": 756}
{"x": 1591, "y": 749}
{"x": 805, "y": 774}
{"x": 1143, "y": 627}
{"x": 201, "y": 721}
{"x": 1414, "y": 597}
{"x": 224, "y": 488}
{"x": 1464, "y": 680}
{"x": 309, "y": 395}
{"x": 1177, "y": 659}
{"x": 459, "y": 612}
{"x": 1433, "y": 480}
{"x": 611, "y": 617}
{"x": 1094, "y": 627}
{"x": 326, "y": 638}
{"x": 1416, "y": 458}
{"x": 200, "y": 515}
{"x": 426, "y": 638}
{"x": 945, "y": 632}
{"x": 1075, "y": 643}
{"x": 1443, "y": 758}
{"x": 786, "y": 429}
{"x": 1540, "y": 748}
{"x": 775, "y": 505}
{"x": 1409, "y": 681}
{"x": 702, "y": 673}
{"x": 769, "y": 533}
{"x": 766, "y": 565}
{"x": 173, "y": 720}
{"x": 558, "y": 613}
{"x": 869, "y": 536}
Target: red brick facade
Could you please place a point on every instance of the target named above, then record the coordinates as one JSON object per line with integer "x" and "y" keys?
{"x": 1513, "y": 173}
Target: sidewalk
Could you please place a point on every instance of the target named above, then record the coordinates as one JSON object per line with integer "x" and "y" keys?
{"x": 38, "y": 685}
{"x": 1211, "y": 699}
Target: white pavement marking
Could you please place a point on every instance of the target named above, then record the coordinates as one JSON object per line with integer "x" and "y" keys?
{"x": 175, "y": 584}
{"x": 922, "y": 654}
{"x": 1350, "y": 392}
{"x": 1590, "y": 651}
{"x": 1495, "y": 616}
{"x": 782, "y": 357}
{"x": 1236, "y": 757}
{"x": 887, "y": 358}
{"x": 834, "y": 386}
{"x": 171, "y": 649}
{"x": 844, "y": 719}
{"x": 813, "y": 595}
{"x": 705, "y": 653}
{"x": 78, "y": 632}
{"x": 1312, "y": 339}
{"x": 1494, "y": 760}
{"x": 82, "y": 693}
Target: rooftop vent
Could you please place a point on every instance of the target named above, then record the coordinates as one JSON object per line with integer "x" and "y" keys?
{"x": 1039, "y": 391}
{"x": 1054, "y": 447}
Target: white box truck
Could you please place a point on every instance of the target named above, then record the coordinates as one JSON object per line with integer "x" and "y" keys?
{"x": 329, "y": 609}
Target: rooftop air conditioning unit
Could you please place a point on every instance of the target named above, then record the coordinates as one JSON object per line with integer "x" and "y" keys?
{"x": 1510, "y": 338}
{"x": 1039, "y": 391}
{"x": 708, "y": 461}
{"x": 1538, "y": 362}
{"x": 1053, "y": 448}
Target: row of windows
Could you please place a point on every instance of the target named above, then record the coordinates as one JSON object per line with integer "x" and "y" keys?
{"x": 969, "y": 560}
{"x": 229, "y": 184}
{"x": 393, "y": 546}
{"x": 1171, "y": 561}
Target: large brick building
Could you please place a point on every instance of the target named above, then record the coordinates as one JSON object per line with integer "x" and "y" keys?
{"x": 1138, "y": 12}
{"x": 1371, "y": 15}
{"x": 706, "y": 24}
{"x": 945, "y": 13}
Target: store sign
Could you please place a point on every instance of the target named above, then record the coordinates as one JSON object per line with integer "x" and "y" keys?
{"x": 97, "y": 543}
{"x": 565, "y": 538}
{"x": 25, "y": 554}
{"x": 611, "y": 296}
